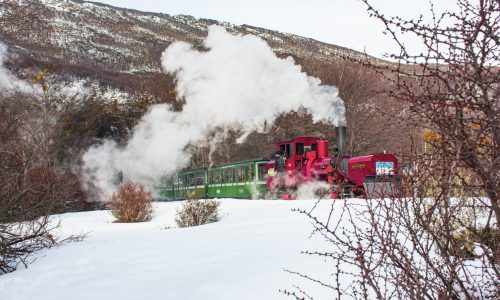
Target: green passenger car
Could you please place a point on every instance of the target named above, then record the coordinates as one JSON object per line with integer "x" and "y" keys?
{"x": 244, "y": 180}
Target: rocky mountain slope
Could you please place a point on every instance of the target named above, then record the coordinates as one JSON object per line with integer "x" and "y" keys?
{"x": 93, "y": 39}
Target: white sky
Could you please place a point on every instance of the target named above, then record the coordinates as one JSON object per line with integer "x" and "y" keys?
{"x": 341, "y": 22}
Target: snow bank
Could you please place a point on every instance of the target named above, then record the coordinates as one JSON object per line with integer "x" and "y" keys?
{"x": 240, "y": 257}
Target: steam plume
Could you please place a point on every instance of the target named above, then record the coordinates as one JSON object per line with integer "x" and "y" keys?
{"x": 8, "y": 81}
{"x": 237, "y": 81}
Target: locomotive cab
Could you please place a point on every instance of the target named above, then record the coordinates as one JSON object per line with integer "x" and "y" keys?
{"x": 305, "y": 158}
{"x": 297, "y": 147}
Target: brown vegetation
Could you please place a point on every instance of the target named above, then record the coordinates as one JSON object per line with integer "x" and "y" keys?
{"x": 131, "y": 203}
{"x": 32, "y": 184}
{"x": 440, "y": 240}
{"x": 195, "y": 212}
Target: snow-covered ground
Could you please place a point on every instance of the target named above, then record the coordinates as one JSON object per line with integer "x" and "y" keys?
{"x": 241, "y": 257}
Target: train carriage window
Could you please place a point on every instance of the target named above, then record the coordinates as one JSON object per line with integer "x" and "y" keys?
{"x": 261, "y": 171}
{"x": 299, "y": 149}
{"x": 217, "y": 176}
{"x": 282, "y": 148}
{"x": 228, "y": 175}
{"x": 240, "y": 174}
{"x": 190, "y": 179}
{"x": 249, "y": 172}
{"x": 200, "y": 179}
{"x": 288, "y": 151}
{"x": 314, "y": 147}
{"x": 210, "y": 177}
{"x": 167, "y": 181}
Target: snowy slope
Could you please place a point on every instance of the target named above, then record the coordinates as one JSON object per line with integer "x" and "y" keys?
{"x": 240, "y": 257}
{"x": 115, "y": 39}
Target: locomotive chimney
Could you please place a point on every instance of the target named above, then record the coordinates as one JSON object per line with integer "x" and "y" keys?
{"x": 340, "y": 136}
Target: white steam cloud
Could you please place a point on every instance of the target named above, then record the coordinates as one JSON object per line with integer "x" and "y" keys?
{"x": 8, "y": 81}
{"x": 311, "y": 190}
{"x": 237, "y": 81}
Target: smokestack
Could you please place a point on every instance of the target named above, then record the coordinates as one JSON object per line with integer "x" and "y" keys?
{"x": 340, "y": 135}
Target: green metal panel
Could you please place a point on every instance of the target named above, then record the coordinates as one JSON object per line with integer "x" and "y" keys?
{"x": 236, "y": 180}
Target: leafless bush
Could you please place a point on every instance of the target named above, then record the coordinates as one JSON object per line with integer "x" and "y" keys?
{"x": 19, "y": 240}
{"x": 31, "y": 186}
{"x": 27, "y": 197}
{"x": 195, "y": 212}
{"x": 440, "y": 240}
{"x": 131, "y": 203}
{"x": 403, "y": 249}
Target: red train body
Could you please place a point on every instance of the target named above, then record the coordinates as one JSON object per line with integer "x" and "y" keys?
{"x": 306, "y": 159}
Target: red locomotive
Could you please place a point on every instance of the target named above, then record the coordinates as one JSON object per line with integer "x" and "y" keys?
{"x": 306, "y": 159}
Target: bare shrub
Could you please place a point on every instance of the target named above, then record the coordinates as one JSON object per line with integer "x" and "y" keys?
{"x": 32, "y": 186}
{"x": 408, "y": 248}
{"x": 440, "y": 239}
{"x": 131, "y": 203}
{"x": 19, "y": 240}
{"x": 195, "y": 212}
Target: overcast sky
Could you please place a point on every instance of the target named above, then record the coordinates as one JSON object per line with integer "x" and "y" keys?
{"x": 341, "y": 22}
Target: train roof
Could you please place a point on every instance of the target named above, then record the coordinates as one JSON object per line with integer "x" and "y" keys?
{"x": 297, "y": 137}
{"x": 243, "y": 162}
{"x": 225, "y": 165}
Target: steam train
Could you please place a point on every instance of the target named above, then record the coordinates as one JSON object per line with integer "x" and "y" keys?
{"x": 296, "y": 162}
